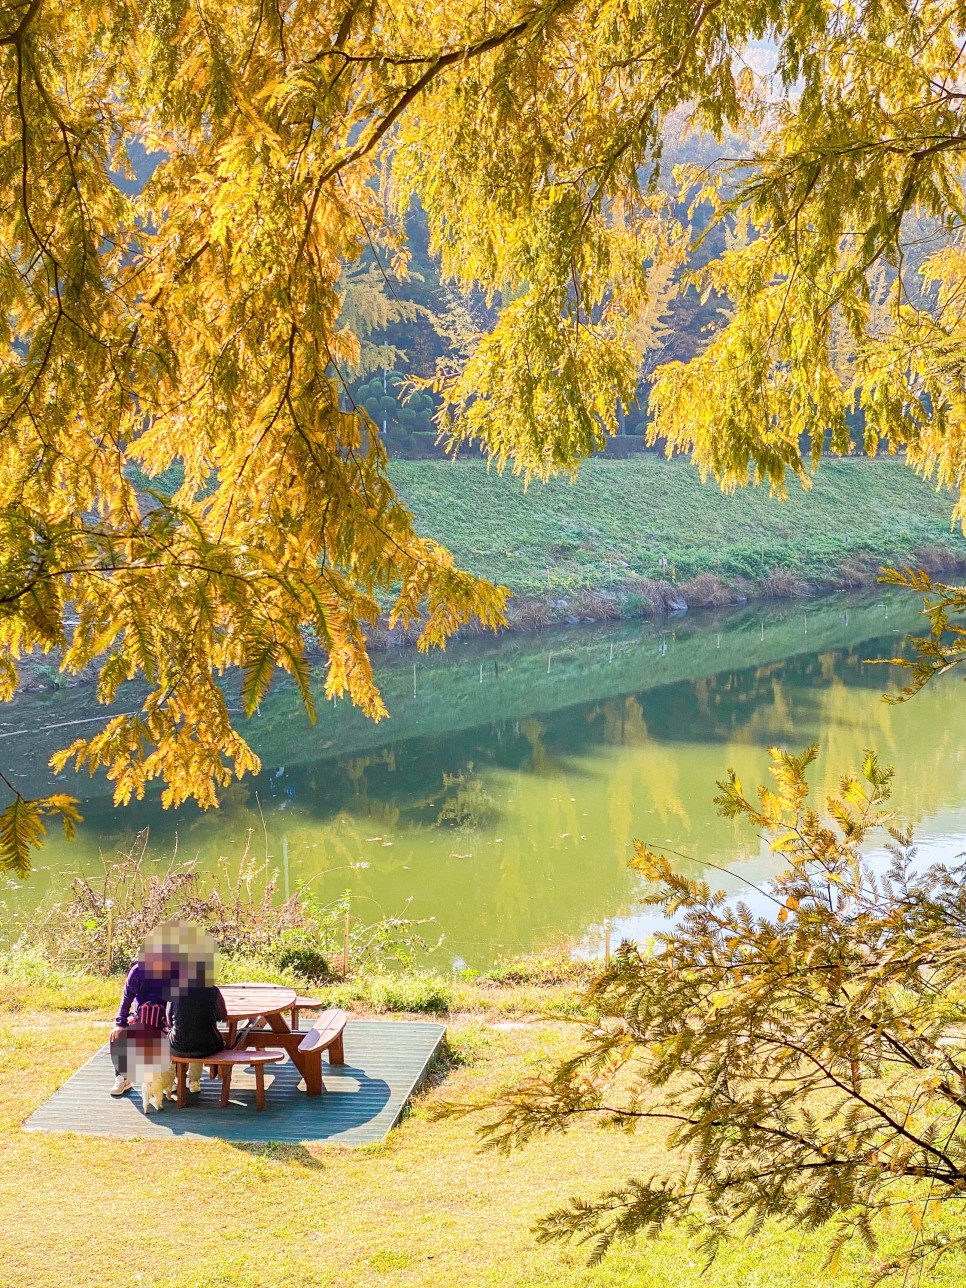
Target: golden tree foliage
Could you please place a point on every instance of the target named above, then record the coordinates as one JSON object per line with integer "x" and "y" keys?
{"x": 202, "y": 322}
{"x": 860, "y": 155}
{"x": 371, "y": 304}
{"x": 197, "y": 324}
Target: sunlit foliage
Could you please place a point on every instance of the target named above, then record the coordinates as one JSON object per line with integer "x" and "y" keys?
{"x": 205, "y": 322}
{"x": 944, "y": 607}
{"x": 806, "y": 1054}
{"x": 197, "y": 324}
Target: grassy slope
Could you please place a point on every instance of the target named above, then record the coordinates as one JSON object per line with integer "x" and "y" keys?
{"x": 621, "y": 518}
{"x": 426, "y": 1208}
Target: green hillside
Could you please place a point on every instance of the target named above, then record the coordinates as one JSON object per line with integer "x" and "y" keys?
{"x": 620, "y": 519}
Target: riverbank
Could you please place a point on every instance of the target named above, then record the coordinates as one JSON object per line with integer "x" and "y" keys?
{"x": 426, "y": 1209}
{"x": 646, "y": 537}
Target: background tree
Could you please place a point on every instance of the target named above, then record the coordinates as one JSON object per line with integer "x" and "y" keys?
{"x": 398, "y": 409}
{"x": 371, "y": 308}
{"x": 857, "y": 144}
{"x": 800, "y": 1054}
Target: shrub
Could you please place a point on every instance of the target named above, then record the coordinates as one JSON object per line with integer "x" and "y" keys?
{"x": 707, "y": 591}
{"x": 529, "y": 613}
{"x": 598, "y": 605}
{"x": 780, "y": 583}
{"x": 408, "y": 992}
{"x": 556, "y": 966}
{"x": 304, "y": 960}
{"x": 936, "y": 558}
{"x": 635, "y": 604}
{"x": 657, "y": 594}
{"x": 102, "y": 924}
{"x": 857, "y": 572}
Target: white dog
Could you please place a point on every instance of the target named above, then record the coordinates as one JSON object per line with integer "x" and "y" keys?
{"x": 153, "y": 1069}
{"x": 158, "y": 1084}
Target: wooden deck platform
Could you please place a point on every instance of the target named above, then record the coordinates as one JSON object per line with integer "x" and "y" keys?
{"x": 386, "y": 1060}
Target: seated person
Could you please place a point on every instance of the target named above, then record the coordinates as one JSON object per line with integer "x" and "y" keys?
{"x": 144, "y": 1001}
{"x": 196, "y": 1010}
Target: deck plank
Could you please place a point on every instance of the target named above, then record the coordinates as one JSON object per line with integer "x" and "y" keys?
{"x": 386, "y": 1060}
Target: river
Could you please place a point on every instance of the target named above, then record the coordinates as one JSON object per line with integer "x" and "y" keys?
{"x": 503, "y": 795}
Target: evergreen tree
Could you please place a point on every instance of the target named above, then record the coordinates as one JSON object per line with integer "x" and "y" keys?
{"x": 806, "y": 1057}
{"x": 199, "y": 323}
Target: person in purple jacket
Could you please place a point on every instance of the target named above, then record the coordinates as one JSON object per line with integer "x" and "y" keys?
{"x": 148, "y": 990}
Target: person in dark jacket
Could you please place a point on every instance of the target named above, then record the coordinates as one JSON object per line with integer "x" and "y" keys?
{"x": 144, "y": 1004}
{"x": 196, "y": 1010}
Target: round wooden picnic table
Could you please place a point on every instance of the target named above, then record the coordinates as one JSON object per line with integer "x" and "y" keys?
{"x": 251, "y": 1001}
{"x": 247, "y": 1001}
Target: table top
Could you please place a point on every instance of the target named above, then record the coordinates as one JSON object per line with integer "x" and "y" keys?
{"x": 244, "y": 1001}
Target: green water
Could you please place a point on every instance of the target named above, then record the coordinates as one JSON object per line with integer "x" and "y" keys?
{"x": 503, "y": 795}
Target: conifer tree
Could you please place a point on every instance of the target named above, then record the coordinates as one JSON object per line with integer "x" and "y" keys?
{"x": 805, "y": 1056}
{"x": 200, "y": 322}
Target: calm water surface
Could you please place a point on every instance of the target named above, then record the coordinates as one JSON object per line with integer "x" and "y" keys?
{"x": 503, "y": 795}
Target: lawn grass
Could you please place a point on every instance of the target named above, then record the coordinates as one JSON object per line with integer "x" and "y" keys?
{"x": 620, "y": 519}
{"x": 425, "y": 1208}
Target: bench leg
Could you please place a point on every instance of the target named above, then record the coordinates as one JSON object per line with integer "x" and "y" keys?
{"x": 312, "y": 1073}
{"x": 259, "y": 1086}
{"x": 337, "y": 1051}
{"x": 280, "y": 1035}
{"x": 182, "y": 1085}
{"x": 225, "y": 1084}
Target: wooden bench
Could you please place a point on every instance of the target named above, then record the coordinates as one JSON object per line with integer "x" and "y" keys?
{"x": 224, "y": 1062}
{"x": 326, "y": 1035}
{"x": 304, "y": 1004}
{"x": 305, "y": 1049}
